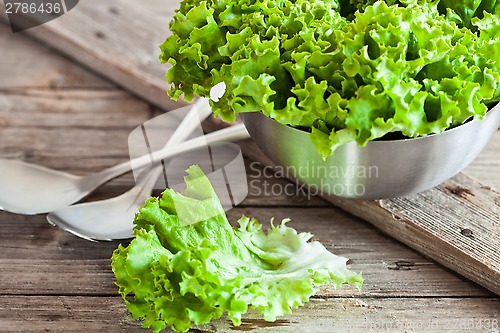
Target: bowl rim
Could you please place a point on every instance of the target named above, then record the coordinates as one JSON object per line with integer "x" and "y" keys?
{"x": 471, "y": 122}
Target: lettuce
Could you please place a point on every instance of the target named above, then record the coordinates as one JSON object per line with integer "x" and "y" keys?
{"x": 179, "y": 274}
{"x": 346, "y": 70}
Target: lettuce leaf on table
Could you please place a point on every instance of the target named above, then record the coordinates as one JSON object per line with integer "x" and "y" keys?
{"x": 179, "y": 274}
{"x": 346, "y": 70}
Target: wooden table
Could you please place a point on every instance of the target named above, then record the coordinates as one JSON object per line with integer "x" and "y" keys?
{"x": 57, "y": 114}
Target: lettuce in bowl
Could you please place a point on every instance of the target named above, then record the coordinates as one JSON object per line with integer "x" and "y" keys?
{"x": 342, "y": 70}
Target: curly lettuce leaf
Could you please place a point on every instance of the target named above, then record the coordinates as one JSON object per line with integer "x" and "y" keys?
{"x": 347, "y": 70}
{"x": 459, "y": 11}
{"x": 179, "y": 275}
{"x": 464, "y": 11}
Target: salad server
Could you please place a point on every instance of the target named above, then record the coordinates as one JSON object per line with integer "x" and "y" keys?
{"x": 33, "y": 189}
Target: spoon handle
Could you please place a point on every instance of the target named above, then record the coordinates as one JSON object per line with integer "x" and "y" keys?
{"x": 198, "y": 112}
{"x": 230, "y": 134}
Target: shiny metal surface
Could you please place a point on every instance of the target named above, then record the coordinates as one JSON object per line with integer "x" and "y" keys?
{"x": 32, "y": 189}
{"x": 382, "y": 169}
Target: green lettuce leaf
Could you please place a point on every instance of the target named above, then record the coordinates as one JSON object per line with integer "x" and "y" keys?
{"x": 346, "y": 70}
{"x": 181, "y": 274}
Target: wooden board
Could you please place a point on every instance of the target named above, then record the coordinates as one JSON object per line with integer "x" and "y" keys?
{"x": 29, "y": 244}
{"x": 349, "y": 315}
{"x": 117, "y": 39}
{"x": 122, "y": 45}
{"x": 462, "y": 231}
{"x": 52, "y": 281}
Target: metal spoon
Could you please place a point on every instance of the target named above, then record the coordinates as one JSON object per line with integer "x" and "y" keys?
{"x": 112, "y": 219}
{"x": 32, "y": 189}
{"x": 105, "y": 219}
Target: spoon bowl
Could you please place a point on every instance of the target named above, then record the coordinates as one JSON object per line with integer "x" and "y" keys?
{"x": 32, "y": 189}
{"x": 108, "y": 219}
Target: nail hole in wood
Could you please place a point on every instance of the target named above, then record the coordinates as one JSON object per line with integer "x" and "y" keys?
{"x": 100, "y": 35}
{"x": 467, "y": 232}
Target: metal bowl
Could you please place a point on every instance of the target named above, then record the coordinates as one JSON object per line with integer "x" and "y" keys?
{"x": 381, "y": 169}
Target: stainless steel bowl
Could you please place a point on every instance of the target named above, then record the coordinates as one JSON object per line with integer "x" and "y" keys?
{"x": 382, "y": 169}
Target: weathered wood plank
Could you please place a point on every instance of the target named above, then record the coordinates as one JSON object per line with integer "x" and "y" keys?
{"x": 45, "y": 260}
{"x": 486, "y": 167}
{"x": 121, "y": 43}
{"x": 48, "y": 130}
{"x": 32, "y": 65}
{"x": 109, "y": 314}
{"x": 460, "y": 233}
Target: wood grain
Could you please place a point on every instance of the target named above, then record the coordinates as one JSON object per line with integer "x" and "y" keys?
{"x": 119, "y": 40}
{"x": 51, "y": 281}
{"x": 49, "y": 261}
{"x": 456, "y": 233}
{"x": 108, "y": 314}
{"x": 39, "y": 69}
{"x": 486, "y": 166}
